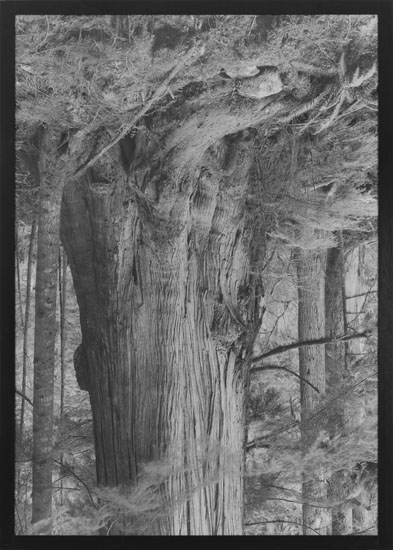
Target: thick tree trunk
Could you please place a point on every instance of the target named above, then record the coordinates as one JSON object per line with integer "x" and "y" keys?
{"x": 335, "y": 358}
{"x": 311, "y": 325}
{"x": 169, "y": 310}
{"x": 45, "y": 327}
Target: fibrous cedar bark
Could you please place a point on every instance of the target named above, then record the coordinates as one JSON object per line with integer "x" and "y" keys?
{"x": 311, "y": 325}
{"x": 335, "y": 358}
{"x": 164, "y": 262}
{"x": 45, "y": 323}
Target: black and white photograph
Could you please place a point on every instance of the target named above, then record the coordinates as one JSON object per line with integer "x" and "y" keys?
{"x": 196, "y": 274}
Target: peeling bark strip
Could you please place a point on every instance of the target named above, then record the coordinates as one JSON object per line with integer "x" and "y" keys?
{"x": 165, "y": 333}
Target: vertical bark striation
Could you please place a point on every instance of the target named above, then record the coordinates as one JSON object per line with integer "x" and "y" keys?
{"x": 335, "y": 358}
{"x": 26, "y": 322}
{"x": 169, "y": 311}
{"x": 311, "y": 324}
{"x": 45, "y": 324}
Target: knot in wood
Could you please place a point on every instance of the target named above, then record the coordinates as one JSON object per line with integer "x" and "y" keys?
{"x": 81, "y": 369}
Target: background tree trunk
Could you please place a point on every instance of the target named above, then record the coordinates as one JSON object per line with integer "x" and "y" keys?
{"x": 63, "y": 315}
{"x": 45, "y": 325}
{"x": 26, "y": 323}
{"x": 311, "y": 325}
{"x": 335, "y": 358}
{"x": 63, "y": 304}
{"x": 169, "y": 312}
{"x": 17, "y": 262}
{"x": 356, "y": 290}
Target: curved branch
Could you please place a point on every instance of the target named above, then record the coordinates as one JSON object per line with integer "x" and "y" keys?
{"x": 24, "y": 397}
{"x": 286, "y": 369}
{"x": 318, "y": 342}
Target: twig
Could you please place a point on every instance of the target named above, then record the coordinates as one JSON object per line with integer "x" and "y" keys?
{"x": 362, "y": 294}
{"x": 78, "y": 478}
{"x": 326, "y": 505}
{"x": 277, "y": 367}
{"x": 125, "y": 129}
{"x": 317, "y": 342}
{"x": 285, "y": 309}
{"x": 24, "y": 397}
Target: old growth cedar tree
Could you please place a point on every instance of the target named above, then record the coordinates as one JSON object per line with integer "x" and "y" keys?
{"x": 165, "y": 240}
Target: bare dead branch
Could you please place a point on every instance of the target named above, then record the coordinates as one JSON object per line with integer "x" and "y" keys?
{"x": 78, "y": 478}
{"x": 286, "y": 369}
{"x": 318, "y": 342}
{"x": 24, "y": 397}
{"x": 362, "y": 294}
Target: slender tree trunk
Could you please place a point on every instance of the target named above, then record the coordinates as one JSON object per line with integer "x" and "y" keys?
{"x": 26, "y": 323}
{"x": 45, "y": 325}
{"x": 62, "y": 303}
{"x": 311, "y": 325}
{"x": 169, "y": 311}
{"x": 17, "y": 261}
{"x": 335, "y": 358}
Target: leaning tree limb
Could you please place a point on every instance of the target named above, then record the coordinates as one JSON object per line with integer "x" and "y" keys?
{"x": 24, "y": 397}
{"x": 317, "y": 342}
